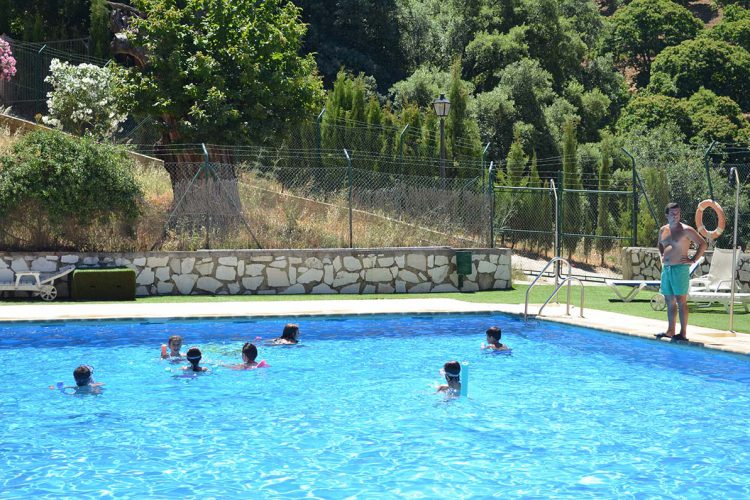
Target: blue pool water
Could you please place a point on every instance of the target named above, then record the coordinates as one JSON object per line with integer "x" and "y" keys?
{"x": 571, "y": 413}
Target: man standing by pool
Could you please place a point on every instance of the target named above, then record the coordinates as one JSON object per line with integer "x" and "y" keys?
{"x": 674, "y": 243}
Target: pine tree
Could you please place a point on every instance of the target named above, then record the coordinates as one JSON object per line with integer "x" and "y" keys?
{"x": 99, "y": 31}
{"x": 603, "y": 219}
{"x": 571, "y": 216}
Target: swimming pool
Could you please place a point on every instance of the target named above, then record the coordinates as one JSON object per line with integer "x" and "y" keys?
{"x": 572, "y": 412}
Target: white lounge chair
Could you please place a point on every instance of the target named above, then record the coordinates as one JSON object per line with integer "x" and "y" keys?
{"x": 637, "y": 285}
{"x": 720, "y": 274}
{"x": 38, "y": 283}
{"x": 707, "y": 299}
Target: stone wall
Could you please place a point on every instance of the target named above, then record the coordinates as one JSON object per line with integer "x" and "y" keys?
{"x": 645, "y": 264}
{"x": 325, "y": 271}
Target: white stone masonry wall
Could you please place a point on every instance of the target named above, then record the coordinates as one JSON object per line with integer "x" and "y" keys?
{"x": 232, "y": 272}
{"x": 645, "y": 264}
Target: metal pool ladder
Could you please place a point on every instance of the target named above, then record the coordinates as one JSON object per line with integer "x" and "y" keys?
{"x": 567, "y": 280}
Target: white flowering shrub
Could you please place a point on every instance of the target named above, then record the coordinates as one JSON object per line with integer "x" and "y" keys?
{"x": 7, "y": 61}
{"x": 85, "y": 100}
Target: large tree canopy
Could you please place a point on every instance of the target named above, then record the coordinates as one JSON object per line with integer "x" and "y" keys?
{"x": 224, "y": 70}
{"x": 643, "y": 28}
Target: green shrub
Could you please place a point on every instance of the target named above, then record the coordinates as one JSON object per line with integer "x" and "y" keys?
{"x": 55, "y": 188}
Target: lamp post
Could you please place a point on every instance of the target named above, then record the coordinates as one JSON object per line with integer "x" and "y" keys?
{"x": 442, "y": 107}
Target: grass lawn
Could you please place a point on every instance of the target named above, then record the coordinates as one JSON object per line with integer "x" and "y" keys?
{"x": 596, "y": 297}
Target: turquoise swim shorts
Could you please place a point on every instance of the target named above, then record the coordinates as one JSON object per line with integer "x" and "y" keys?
{"x": 675, "y": 280}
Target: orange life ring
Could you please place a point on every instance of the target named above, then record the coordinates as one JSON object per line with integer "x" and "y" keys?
{"x": 722, "y": 220}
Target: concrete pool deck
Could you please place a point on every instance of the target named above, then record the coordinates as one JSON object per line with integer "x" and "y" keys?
{"x": 617, "y": 323}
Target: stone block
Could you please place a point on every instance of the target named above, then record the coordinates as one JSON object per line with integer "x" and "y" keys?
{"x": 441, "y": 260}
{"x": 386, "y": 261}
{"x": 241, "y": 268}
{"x": 470, "y": 286}
{"x": 408, "y": 276}
{"x": 354, "y": 289}
{"x": 322, "y": 289}
{"x": 295, "y": 260}
{"x": 187, "y": 265}
{"x": 400, "y": 286}
{"x": 254, "y": 269}
{"x": 313, "y": 263}
{"x": 328, "y": 274}
{"x": 494, "y": 258}
{"x": 502, "y": 273}
{"x": 369, "y": 261}
{"x": 185, "y": 283}
{"x": 165, "y": 288}
{"x": 252, "y": 283}
{"x": 271, "y": 291}
{"x": 233, "y": 288}
{"x": 205, "y": 268}
{"x": 155, "y": 262}
{"x": 69, "y": 259}
{"x": 138, "y": 261}
{"x": 279, "y": 263}
{"x": 311, "y": 276}
{"x": 446, "y": 287}
{"x": 142, "y": 291}
{"x": 438, "y": 274}
{"x": 378, "y": 274}
{"x": 297, "y": 289}
{"x": 277, "y": 277}
{"x": 385, "y": 288}
{"x": 163, "y": 274}
{"x": 226, "y": 273}
{"x": 337, "y": 263}
{"x": 400, "y": 261}
{"x": 43, "y": 265}
{"x": 430, "y": 261}
{"x": 174, "y": 266}
{"x": 486, "y": 267}
{"x": 146, "y": 277}
{"x": 292, "y": 275}
{"x": 500, "y": 285}
{"x": 344, "y": 278}
{"x": 352, "y": 263}
{"x": 262, "y": 258}
{"x": 208, "y": 284}
{"x": 228, "y": 261}
{"x": 421, "y": 288}
{"x": 417, "y": 261}
{"x": 368, "y": 289}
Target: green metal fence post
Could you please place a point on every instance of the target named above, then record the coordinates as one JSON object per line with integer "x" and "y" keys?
{"x": 708, "y": 171}
{"x": 560, "y": 191}
{"x": 318, "y": 138}
{"x": 484, "y": 156}
{"x": 205, "y": 169}
{"x": 491, "y": 197}
{"x": 634, "y": 215}
{"x": 349, "y": 175}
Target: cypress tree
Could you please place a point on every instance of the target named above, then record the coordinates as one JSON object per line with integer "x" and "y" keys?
{"x": 572, "y": 205}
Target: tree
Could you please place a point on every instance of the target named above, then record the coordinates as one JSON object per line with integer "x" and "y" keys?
{"x": 85, "y": 99}
{"x": 572, "y": 210}
{"x": 603, "y": 206}
{"x": 643, "y": 28}
{"x": 99, "y": 32}
{"x": 488, "y": 52}
{"x": 223, "y": 71}
{"x": 713, "y": 64}
{"x": 652, "y": 111}
{"x": 54, "y": 187}
{"x": 462, "y": 134}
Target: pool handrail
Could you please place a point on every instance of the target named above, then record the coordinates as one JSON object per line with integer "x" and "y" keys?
{"x": 557, "y": 287}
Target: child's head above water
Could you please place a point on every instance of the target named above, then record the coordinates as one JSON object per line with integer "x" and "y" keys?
{"x": 249, "y": 352}
{"x": 291, "y": 332}
{"x": 83, "y": 375}
{"x": 175, "y": 343}
{"x": 194, "y": 355}
{"x": 452, "y": 371}
{"x": 493, "y": 334}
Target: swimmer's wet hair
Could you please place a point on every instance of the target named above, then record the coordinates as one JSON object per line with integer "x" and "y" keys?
{"x": 670, "y": 206}
{"x": 82, "y": 374}
{"x": 452, "y": 369}
{"x": 494, "y": 332}
{"x": 250, "y": 351}
{"x": 289, "y": 330}
{"x": 194, "y": 355}
{"x": 175, "y": 337}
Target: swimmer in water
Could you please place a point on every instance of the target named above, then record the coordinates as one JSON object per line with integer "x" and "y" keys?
{"x": 452, "y": 372}
{"x": 290, "y": 335}
{"x": 493, "y": 340}
{"x": 172, "y": 349}
{"x": 249, "y": 353}
{"x": 194, "y": 357}
{"x": 84, "y": 377}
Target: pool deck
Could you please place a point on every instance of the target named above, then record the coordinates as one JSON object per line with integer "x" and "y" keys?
{"x": 617, "y": 323}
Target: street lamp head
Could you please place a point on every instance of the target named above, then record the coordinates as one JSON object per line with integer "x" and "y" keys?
{"x": 442, "y": 106}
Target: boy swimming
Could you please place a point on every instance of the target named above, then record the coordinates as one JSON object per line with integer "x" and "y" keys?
{"x": 249, "y": 353}
{"x": 85, "y": 384}
{"x": 172, "y": 348}
{"x": 493, "y": 340}
{"x": 452, "y": 372}
{"x": 194, "y": 356}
